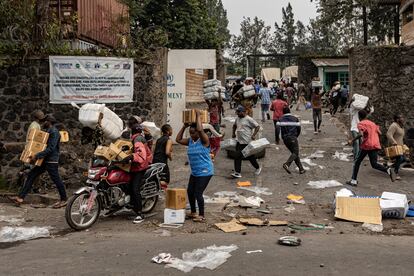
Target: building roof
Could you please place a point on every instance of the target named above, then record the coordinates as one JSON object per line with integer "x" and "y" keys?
{"x": 330, "y": 62}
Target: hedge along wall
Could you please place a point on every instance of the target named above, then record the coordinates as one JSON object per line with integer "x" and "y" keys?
{"x": 24, "y": 87}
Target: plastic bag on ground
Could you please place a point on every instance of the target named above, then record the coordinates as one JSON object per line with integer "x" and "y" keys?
{"x": 12, "y": 220}
{"x": 342, "y": 156}
{"x": 250, "y": 202}
{"x": 257, "y": 190}
{"x": 255, "y": 147}
{"x": 13, "y": 234}
{"x": 317, "y": 154}
{"x": 373, "y": 227}
{"x": 324, "y": 184}
{"x": 210, "y": 257}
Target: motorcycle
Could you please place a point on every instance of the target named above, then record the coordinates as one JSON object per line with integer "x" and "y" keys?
{"x": 107, "y": 189}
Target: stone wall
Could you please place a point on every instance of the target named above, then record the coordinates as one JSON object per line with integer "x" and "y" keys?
{"x": 24, "y": 87}
{"x": 386, "y": 75}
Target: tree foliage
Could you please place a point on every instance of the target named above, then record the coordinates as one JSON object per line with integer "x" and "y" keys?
{"x": 178, "y": 24}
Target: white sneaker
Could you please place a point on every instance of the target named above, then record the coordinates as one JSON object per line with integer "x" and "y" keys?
{"x": 236, "y": 175}
{"x": 138, "y": 220}
{"x": 258, "y": 171}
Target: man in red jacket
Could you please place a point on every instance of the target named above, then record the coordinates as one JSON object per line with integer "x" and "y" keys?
{"x": 369, "y": 132}
{"x": 141, "y": 159}
{"x": 277, "y": 108}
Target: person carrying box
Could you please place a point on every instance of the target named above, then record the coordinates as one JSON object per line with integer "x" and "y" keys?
{"x": 50, "y": 164}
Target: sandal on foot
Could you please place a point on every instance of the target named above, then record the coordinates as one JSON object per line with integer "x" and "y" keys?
{"x": 15, "y": 200}
{"x": 190, "y": 216}
{"x": 199, "y": 219}
{"x": 59, "y": 204}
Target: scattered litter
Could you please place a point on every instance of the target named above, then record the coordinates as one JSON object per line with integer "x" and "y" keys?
{"x": 322, "y": 167}
{"x": 230, "y": 194}
{"x": 311, "y": 226}
{"x": 250, "y": 202}
{"x": 324, "y": 184}
{"x": 347, "y": 149}
{"x": 298, "y": 199}
{"x": 264, "y": 211}
{"x": 308, "y": 161}
{"x": 277, "y": 223}
{"x": 163, "y": 233}
{"x": 210, "y": 257}
{"x": 216, "y": 200}
{"x": 342, "y": 156}
{"x": 162, "y": 258}
{"x": 290, "y": 208}
{"x": 290, "y": 241}
{"x": 170, "y": 225}
{"x": 13, "y": 234}
{"x": 257, "y": 190}
{"x": 373, "y": 227}
{"x": 254, "y": 251}
{"x": 231, "y": 226}
{"x": 306, "y": 122}
{"x": 317, "y": 154}
{"x": 344, "y": 192}
{"x": 244, "y": 183}
{"x": 12, "y": 220}
{"x": 252, "y": 221}
{"x": 295, "y": 183}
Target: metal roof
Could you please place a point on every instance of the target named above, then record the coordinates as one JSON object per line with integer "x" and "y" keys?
{"x": 330, "y": 62}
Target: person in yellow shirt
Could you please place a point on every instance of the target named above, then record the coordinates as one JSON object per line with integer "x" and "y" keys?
{"x": 395, "y": 136}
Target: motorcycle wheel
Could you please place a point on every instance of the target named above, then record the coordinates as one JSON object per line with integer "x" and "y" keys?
{"x": 149, "y": 204}
{"x": 75, "y": 210}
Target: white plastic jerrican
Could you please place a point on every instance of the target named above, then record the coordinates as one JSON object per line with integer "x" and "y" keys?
{"x": 229, "y": 144}
{"x": 360, "y": 101}
{"x": 153, "y": 129}
{"x": 255, "y": 147}
{"x": 112, "y": 125}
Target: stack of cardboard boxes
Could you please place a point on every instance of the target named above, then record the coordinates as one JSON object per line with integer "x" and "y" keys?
{"x": 36, "y": 142}
{"x": 175, "y": 204}
{"x": 114, "y": 152}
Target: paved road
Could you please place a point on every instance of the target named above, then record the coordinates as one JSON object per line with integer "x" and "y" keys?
{"x": 114, "y": 246}
{"x": 130, "y": 253}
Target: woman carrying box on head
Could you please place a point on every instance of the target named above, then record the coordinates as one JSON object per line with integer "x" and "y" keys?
{"x": 201, "y": 165}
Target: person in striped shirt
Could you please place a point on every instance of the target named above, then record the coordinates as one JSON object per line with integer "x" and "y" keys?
{"x": 264, "y": 94}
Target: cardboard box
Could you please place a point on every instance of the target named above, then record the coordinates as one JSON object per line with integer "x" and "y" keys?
{"x": 172, "y": 216}
{"x": 109, "y": 153}
{"x": 358, "y": 209}
{"x": 38, "y": 136}
{"x": 189, "y": 116}
{"x": 394, "y": 151}
{"x": 64, "y": 136}
{"x": 25, "y": 158}
{"x": 120, "y": 143}
{"x": 35, "y": 147}
{"x": 176, "y": 199}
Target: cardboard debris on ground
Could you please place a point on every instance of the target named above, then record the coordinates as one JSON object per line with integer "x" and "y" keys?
{"x": 324, "y": 184}
{"x": 277, "y": 223}
{"x": 358, "y": 209}
{"x": 231, "y": 226}
{"x": 252, "y": 221}
{"x": 257, "y": 190}
{"x": 244, "y": 184}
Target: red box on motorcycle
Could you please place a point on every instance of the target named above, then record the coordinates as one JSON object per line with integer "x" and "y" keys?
{"x": 176, "y": 199}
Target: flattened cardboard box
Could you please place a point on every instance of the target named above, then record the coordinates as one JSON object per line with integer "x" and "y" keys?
{"x": 358, "y": 209}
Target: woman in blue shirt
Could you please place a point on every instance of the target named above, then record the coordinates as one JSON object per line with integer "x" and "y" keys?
{"x": 201, "y": 165}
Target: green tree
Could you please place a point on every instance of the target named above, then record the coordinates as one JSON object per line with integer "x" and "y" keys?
{"x": 252, "y": 39}
{"x": 301, "y": 40}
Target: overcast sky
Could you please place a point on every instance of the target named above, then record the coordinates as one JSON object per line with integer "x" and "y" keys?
{"x": 268, "y": 10}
